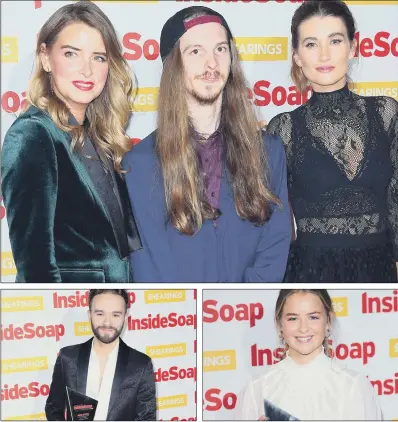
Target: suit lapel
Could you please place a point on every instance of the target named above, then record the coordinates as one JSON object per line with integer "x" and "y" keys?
{"x": 83, "y": 360}
{"x": 120, "y": 374}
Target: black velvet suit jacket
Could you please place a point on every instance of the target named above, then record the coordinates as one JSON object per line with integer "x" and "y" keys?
{"x": 133, "y": 396}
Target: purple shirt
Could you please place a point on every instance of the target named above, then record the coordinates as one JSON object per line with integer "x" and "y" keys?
{"x": 209, "y": 155}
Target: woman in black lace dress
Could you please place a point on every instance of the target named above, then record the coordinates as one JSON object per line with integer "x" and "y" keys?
{"x": 342, "y": 158}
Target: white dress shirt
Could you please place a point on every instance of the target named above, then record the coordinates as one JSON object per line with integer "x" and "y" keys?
{"x": 322, "y": 389}
{"x": 93, "y": 389}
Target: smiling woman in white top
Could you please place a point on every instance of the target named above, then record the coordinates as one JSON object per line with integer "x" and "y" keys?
{"x": 307, "y": 384}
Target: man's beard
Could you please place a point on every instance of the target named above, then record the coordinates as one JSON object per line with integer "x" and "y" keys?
{"x": 205, "y": 100}
{"x": 106, "y": 338}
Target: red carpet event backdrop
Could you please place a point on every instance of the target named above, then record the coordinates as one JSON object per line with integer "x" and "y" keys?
{"x": 240, "y": 341}
{"x": 35, "y": 324}
{"x": 262, "y": 31}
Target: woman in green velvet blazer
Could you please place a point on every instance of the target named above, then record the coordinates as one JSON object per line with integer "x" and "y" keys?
{"x": 68, "y": 210}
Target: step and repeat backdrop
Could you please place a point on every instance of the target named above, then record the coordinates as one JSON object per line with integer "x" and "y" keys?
{"x": 262, "y": 32}
{"x": 35, "y": 324}
{"x": 240, "y": 341}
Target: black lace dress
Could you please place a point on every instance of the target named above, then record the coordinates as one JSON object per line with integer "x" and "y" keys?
{"x": 342, "y": 159}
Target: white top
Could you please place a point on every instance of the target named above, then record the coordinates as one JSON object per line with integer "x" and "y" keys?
{"x": 319, "y": 390}
{"x": 93, "y": 389}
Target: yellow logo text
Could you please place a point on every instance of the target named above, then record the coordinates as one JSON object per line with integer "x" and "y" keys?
{"x": 37, "y": 363}
{"x": 22, "y": 303}
{"x": 340, "y": 306}
{"x": 9, "y": 49}
{"x": 83, "y": 328}
{"x": 167, "y": 350}
{"x": 389, "y": 89}
{"x": 262, "y": 48}
{"x": 167, "y": 402}
{"x": 145, "y": 99}
{"x": 219, "y": 360}
{"x": 394, "y": 347}
{"x": 7, "y": 262}
{"x": 163, "y": 296}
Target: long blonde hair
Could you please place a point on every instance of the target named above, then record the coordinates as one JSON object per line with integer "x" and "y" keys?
{"x": 243, "y": 147}
{"x": 109, "y": 113}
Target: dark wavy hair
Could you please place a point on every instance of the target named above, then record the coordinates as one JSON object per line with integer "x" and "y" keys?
{"x": 117, "y": 292}
{"x": 307, "y": 10}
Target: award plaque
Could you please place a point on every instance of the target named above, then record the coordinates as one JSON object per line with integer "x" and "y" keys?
{"x": 81, "y": 407}
{"x": 275, "y": 413}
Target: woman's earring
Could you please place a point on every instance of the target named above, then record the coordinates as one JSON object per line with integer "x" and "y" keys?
{"x": 328, "y": 333}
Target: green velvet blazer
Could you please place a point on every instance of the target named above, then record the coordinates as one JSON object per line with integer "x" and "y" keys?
{"x": 65, "y": 225}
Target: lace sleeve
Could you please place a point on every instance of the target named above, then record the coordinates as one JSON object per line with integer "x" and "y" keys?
{"x": 388, "y": 110}
{"x": 281, "y": 125}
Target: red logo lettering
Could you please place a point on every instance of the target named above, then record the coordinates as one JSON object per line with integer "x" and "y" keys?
{"x": 379, "y": 46}
{"x": 80, "y": 300}
{"x": 2, "y": 209}
{"x": 135, "y": 141}
{"x": 149, "y": 49}
{"x": 30, "y": 331}
{"x": 170, "y": 321}
{"x": 364, "y": 351}
{"x": 175, "y": 373}
{"x": 386, "y": 387}
{"x": 214, "y": 400}
{"x": 263, "y": 96}
{"x": 34, "y": 389}
{"x": 251, "y": 312}
{"x": 11, "y": 102}
{"x": 261, "y": 357}
{"x": 383, "y": 304}
{"x": 37, "y": 4}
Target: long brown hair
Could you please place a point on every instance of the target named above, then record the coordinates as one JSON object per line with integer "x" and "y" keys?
{"x": 323, "y": 296}
{"x": 243, "y": 147}
{"x": 108, "y": 114}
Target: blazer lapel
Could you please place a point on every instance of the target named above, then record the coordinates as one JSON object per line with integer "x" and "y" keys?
{"x": 120, "y": 374}
{"x": 83, "y": 360}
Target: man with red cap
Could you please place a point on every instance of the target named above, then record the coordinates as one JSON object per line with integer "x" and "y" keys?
{"x": 208, "y": 187}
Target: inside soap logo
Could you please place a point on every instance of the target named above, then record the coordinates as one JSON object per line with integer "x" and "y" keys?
{"x": 382, "y": 44}
{"x": 9, "y": 49}
{"x": 262, "y": 48}
{"x": 251, "y": 312}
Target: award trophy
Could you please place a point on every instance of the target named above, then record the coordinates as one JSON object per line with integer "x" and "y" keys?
{"x": 81, "y": 407}
{"x": 275, "y": 413}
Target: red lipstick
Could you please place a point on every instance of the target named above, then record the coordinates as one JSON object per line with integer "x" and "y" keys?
{"x": 83, "y": 85}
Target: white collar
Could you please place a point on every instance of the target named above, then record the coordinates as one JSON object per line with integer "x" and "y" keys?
{"x": 93, "y": 389}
